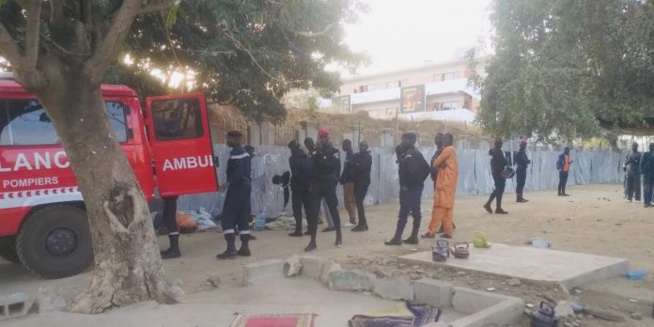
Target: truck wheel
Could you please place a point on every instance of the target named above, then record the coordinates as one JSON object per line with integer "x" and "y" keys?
{"x": 55, "y": 242}
{"x": 8, "y": 252}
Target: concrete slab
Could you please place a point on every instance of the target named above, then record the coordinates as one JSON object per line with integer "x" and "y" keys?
{"x": 531, "y": 264}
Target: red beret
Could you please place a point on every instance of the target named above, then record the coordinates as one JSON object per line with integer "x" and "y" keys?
{"x": 323, "y": 132}
{"x": 523, "y": 143}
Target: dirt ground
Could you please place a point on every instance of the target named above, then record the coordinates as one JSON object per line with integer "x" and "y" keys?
{"x": 595, "y": 220}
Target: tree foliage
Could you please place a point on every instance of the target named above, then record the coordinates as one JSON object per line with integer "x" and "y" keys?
{"x": 575, "y": 67}
{"x": 248, "y": 53}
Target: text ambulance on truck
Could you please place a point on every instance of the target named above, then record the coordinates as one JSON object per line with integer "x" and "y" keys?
{"x": 43, "y": 223}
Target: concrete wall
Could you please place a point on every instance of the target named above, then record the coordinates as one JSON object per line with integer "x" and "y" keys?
{"x": 590, "y": 167}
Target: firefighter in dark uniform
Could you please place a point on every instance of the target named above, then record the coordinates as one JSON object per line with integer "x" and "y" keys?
{"x": 326, "y": 170}
{"x": 170, "y": 221}
{"x": 237, "y": 201}
{"x": 522, "y": 161}
{"x": 413, "y": 170}
{"x": 300, "y": 184}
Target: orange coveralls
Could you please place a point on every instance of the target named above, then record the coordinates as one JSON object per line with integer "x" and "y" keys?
{"x": 448, "y": 174}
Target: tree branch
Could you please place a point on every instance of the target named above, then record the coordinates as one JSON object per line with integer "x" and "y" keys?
{"x": 113, "y": 39}
{"x": 9, "y": 47}
{"x": 32, "y": 35}
{"x": 158, "y": 6}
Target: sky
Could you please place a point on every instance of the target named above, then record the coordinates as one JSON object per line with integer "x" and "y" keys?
{"x": 404, "y": 33}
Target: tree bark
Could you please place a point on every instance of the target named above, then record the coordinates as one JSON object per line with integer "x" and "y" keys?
{"x": 128, "y": 267}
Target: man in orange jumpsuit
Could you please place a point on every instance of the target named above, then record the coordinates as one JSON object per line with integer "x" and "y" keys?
{"x": 448, "y": 174}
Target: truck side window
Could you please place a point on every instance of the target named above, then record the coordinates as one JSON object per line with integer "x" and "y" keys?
{"x": 177, "y": 119}
{"x": 23, "y": 122}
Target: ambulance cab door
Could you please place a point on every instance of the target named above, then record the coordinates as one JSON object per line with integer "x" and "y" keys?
{"x": 178, "y": 128}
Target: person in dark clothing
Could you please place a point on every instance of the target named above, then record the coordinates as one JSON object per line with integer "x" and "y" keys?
{"x": 498, "y": 163}
{"x": 170, "y": 221}
{"x": 633, "y": 174}
{"x": 438, "y": 140}
{"x": 413, "y": 170}
{"x": 362, "y": 164}
{"x": 237, "y": 200}
{"x": 311, "y": 151}
{"x": 563, "y": 165}
{"x": 300, "y": 185}
{"x": 522, "y": 161}
{"x": 283, "y": 181}
{"x": 647, "y": 169}
{"x": 347, "y": 180}
{"x": 326, "y": 170}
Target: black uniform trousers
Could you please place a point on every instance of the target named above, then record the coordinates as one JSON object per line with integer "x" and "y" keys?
{"x": 170, "y": 214}
{"x": 498, "y": 192}
{"x": 237, "y": 209}
{"x": 648, "y": 185}
{"x": 563, "y": 180}
{"x": 301, "y": 197}
{"x": 521, "y": 177}
{"x": 410, "y": 199}
{"x": 360, "y": 191}
{"x": 633, "y": 186}
{"x": 323, "y": 189}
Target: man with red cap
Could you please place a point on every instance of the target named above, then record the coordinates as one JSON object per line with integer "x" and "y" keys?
{"x": 326, "y": 173}
{"x": 522, "y": 161}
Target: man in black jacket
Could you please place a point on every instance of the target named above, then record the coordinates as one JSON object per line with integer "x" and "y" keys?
{"x": 326, "y": 170}
{"x": 438, "y": 140}
{"x": 498, "y": 163}
{"x": 522, "y": 161}
{"x": 347, "y": 180}
{"x": 362, "y": 164}
{"x": 647, "y": 169}
{"x": 300, "y": 184}
{"x": 413, "y": 170}
{"x": 633, "y": 174}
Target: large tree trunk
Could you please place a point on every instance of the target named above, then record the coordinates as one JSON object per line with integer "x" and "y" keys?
{"x": 128, "y": 266}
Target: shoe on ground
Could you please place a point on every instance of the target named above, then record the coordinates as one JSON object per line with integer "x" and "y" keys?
{"x": 227, "y": 255}
{"x": 413, "y": 240}
{"x": 628, "y": 201}
{"x": 488, "y": 208}
{"x": 329, "y": 229}
{"x": 501, "y": 212}
{"x": 449, "y": 237}
{"x": 307, "y": 233}
{"x": 428, "y": 235}
{"x": 347, "y": 225}
{"x": 393, "y": 242}
{"x": 244, "y": 252}
{"x": 296, "y": 233}
{"x": 522, "y": 200}
{"x": 312, "y": 246}
{"x": 170, "y": 254}
{"x": 360, "y": 229}
{"x": 565, "y": 194}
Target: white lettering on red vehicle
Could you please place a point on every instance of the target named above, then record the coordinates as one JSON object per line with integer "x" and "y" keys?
{"x": 37, "y": 161}
{"x": 188, "y": 163}
{"x": 29, "y": 182}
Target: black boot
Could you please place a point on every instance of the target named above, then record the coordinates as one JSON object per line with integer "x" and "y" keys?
{"x": 413, "y": 239}
{"x": 397, "y": 239}
{"x": 173, "y": 250}
{"x": 297, "y": 233}
{"x": 230, "y": 253}
{"x": 244, "y": 251}
{"x": 339, "y": 238}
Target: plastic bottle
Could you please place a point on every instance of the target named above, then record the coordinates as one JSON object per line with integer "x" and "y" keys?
{"x": 261, "y": 222}
{"x": 636, "y": 274}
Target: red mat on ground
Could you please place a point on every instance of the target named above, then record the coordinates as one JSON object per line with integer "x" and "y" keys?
{"x": 273, "y": 320}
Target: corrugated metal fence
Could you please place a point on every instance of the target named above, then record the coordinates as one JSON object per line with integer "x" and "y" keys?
{"x": 590, "y": 167}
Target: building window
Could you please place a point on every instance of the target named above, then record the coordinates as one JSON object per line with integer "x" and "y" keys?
{"x": 450, "y": 105}
{"x": 370, "y": 87}
{"x": 394, "y": 85}
{"x": 450, "y": 76}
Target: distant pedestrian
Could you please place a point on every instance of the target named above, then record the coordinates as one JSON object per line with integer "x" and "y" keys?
{"x": 522, "y": 161}
{"x": 236, "y": 209}
{"x": 444, "y": 197}
{"x": 347, "y": 180}
{"x": 300, "y": 185}
{"x": 647, "y": 169}
{"x": 326, "y": 171}
{"x": 413, "y": 170}
{"x": 498, "y": 163}
{"x": 362, "y": 163}
{"x": 633, "y": 174}
{"x": 563, "y": 165}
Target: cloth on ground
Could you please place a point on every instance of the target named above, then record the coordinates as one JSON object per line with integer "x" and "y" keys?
{"x": 274, "y": 320}
{"x": 282, "y": 223}
{"x": 203, "y": 219}
{"x": 402, "y": 315}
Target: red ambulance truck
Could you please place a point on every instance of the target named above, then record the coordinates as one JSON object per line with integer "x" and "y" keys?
{"x": 43, "y": 223}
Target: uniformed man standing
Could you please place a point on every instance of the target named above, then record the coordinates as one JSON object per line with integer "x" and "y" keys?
{"x": 647, "y": 169}
{"x": 300, "y": 184}
{"x": 362, "y": 164}
{"x": 498, "y": 162}
{"x": 522, "y": 161}
{"x": 326, "y": 170}
{"x": 237, "y": 201}
{"x": 413, "y": 170}
{"x": 169, "y": 219}
{"x": 633, "y": 174}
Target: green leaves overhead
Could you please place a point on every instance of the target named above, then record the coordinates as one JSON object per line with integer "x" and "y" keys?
{"x": 248, "y": 52}
{"x": 574, "y": 67}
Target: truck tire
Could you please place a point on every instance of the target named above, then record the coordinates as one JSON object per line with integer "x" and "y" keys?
{"x": 8, "y": 252}
{"x": 55, "y": 242}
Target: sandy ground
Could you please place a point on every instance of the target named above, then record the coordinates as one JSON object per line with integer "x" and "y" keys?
{"x": 595, "y": 219}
